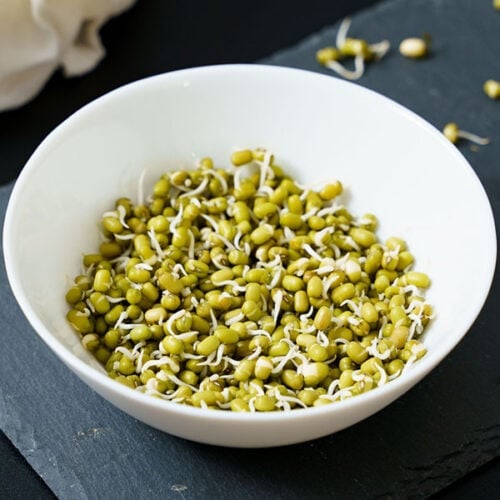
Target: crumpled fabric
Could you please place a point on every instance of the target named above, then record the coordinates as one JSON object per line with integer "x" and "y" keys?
{"x": 39, "y": 36}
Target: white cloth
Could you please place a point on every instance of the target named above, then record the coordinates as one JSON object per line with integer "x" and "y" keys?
{"x": 38, "y": 36}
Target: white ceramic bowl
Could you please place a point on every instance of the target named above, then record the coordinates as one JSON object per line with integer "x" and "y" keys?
{"x": 392, "y": 163}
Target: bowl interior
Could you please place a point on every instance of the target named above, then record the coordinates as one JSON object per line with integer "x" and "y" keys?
{"x": 391, "y": 163}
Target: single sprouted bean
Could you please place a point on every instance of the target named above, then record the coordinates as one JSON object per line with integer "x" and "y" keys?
{"x": 241, "y": 290}
{"x": 453, "y": 134}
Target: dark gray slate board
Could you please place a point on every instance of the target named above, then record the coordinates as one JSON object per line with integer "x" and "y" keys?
{"x": 445, "y": 427}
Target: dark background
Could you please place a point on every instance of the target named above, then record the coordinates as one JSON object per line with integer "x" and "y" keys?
{"x": 153, "y": 37}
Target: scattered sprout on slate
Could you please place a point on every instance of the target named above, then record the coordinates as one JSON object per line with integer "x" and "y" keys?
{"x": 347, "y": 47}
{"x": 240, "y": 289}
{"x": 453, "y": 133}
{"x": 492, "y": 89}
{"x": 496, "y": 4}
{"x": 414, "y": 48}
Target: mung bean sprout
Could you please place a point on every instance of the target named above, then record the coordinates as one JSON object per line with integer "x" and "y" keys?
{"x": 346, "y": 47}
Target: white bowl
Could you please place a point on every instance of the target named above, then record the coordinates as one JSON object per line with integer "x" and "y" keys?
{"x": 392, "y": 162}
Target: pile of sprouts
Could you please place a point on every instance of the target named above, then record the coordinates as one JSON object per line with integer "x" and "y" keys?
{"x": 240, "y": 289}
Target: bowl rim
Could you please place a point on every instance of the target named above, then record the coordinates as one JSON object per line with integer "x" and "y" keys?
{"x": 100, "y": 379}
